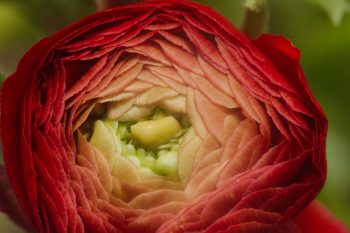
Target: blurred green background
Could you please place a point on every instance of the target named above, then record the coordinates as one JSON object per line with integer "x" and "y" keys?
{"x": 320, "y": 28}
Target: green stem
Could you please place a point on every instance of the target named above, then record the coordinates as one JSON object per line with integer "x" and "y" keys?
{"x": 255, "y": 19}
{"x": 106, "y": 4}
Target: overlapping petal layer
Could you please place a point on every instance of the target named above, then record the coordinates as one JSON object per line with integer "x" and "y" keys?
{"x": 252, "y": 160}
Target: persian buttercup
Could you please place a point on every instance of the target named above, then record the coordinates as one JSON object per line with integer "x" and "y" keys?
{"x": 162, "y": 117}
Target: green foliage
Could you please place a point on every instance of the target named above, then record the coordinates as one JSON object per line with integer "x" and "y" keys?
{"x": 17, "y": 33}
{"x": 336, "y": 9}
{"x": 22, "y": 23}
{"x": 231, "y": 9}
{"x": 2, "y": 78}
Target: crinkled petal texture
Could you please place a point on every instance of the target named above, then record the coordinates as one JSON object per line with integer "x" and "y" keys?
{"x": 252, "y": 160}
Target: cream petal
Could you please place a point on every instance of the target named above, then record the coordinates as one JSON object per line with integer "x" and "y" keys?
{"x": 160, "y": 183}
{"x": 218, "y": 79}
{"x": 131, "y": 191}
{"x": 158, "y": 198}
{"x": 230, "y": 123}
{"x": 212, "y": 93}
{"x": 186, "y": 157}
{"x": 154, "y": 96}
{"x": 123, "y": 169}
{"x": 180, "y": 57}
{"x": 193, "y": 115}
{"x": 116, "y": 189}
{"x": 240, "y": 160}
{"x": 176, "y": 86}
{"x": 175, "y": 104}
{"x": 151, "y": 78}
{"x": 173, "y": 207}
{"x": 150, "y": 223}
{"x": 85, "y": 150}
{"x": 104, "y": 171}
{"x": 121, "y": 81}
{"x": 241, "y": 96}
{"x": 197, "y": 178}
{"x": 208, "y": 184}
{"x": 150, "y": 62}
{"x": 118, "y": 97}
{"x": 103, "y": 140}
{"x": 129, "y": 64}
{"x": 138, "y": 86}
{"x": 166, "y": 71}
{"x": 84, "y": 162}
{"x": 184, "y": 44}
{"x": 118, "y": 108}
{"x": 207, "y": 159}
{"x": 233, "y": 141}
{"x": 136, "y": 113}
{"x": 210, "y": 143}
{"x": 151, "y": 51}
{"x": 213, "y": 115}
{"x": 186, "y": 77}
{"x": 189, "y": 135}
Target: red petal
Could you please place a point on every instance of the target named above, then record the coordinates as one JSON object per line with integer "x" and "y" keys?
{"x": 286, "y": 59}
{"x": 317, "y": 219}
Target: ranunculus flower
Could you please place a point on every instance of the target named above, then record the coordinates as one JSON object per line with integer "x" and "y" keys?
{"x": 162, "y": 117}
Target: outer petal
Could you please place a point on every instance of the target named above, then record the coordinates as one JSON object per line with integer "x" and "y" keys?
{"x": 286, "y": 58}
{"x": 11, "y": 124}
{"x": 317, "y": 219}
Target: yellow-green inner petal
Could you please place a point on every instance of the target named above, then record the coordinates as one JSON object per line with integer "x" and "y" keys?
{"x": 154, "y": 133}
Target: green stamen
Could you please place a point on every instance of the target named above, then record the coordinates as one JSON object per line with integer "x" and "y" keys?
{"x": 150, "y": 145}
{"x": 134, "y": 160}
{"x": 123, "y": 131}
{"x": 149, "y": 162}
{"x": 167, "y": 164}
{"x": 140, "y": 153}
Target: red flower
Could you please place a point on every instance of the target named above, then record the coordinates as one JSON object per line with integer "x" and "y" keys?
{"x": 252, "y": 160}
{"x": 315, "y": 218}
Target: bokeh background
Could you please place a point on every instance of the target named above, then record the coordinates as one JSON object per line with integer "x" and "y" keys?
{"x": 320, "y": 28}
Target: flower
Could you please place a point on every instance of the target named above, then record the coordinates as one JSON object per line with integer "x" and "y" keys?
{"x": 162, "y": 117}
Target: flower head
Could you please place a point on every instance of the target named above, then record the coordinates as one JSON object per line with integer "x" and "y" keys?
{"x": 161, "y": 117}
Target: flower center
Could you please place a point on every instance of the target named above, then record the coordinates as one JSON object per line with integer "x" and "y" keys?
{"x": 150, "y": 143}
{"x": 160, "y": 133}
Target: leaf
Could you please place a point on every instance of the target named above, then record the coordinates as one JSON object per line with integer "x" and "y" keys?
{"x": 336, "y": 9}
